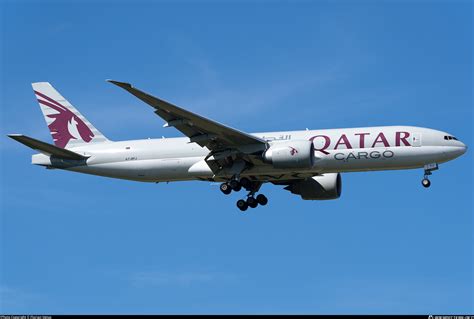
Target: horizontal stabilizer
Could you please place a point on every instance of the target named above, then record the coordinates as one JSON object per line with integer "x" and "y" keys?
{"x": 46, "y": 148}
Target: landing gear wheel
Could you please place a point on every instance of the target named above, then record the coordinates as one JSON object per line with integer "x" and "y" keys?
{"x": 242, "y": 205}
{"x": 428, "y": 169}
{"x": 425, "y": 182}
{"x": 262, "y": 199}
{"x": 252, "y": 202}
{"x": 235, "y": 185}
{"x": 225, "y": 188}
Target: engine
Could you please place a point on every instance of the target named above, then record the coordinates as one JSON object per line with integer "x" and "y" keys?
{"x": 326, "y": 186}
{"x": 290, "y": 154}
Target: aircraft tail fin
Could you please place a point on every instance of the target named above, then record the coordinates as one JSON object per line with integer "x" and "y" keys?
{"x": 68, "y": 127}
{"x": 45, "y": 148}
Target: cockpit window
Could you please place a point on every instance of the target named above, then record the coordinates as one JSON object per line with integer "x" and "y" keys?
{"x": 447, "y": 137}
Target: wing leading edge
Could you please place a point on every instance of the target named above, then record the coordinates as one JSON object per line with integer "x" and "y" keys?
{"x": 203, "y": 131}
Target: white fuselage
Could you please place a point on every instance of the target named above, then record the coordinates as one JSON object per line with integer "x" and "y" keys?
{"x": 336, "y": 150}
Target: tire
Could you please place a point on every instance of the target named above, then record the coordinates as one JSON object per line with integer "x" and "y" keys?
{"x": 426, "y": 183}
{"x": 252, "y": 202}
{"x": 235, "y": 185}
{"x": 225, "y": 188}
{"x": 242, "y": 205}
{"x": 262, "y": 199}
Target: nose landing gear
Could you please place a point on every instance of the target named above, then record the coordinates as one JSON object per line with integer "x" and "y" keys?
{"x": 426, "y": 182}
{"x": 428, "y": 169}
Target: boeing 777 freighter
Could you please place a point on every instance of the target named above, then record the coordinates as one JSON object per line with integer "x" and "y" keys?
{"x": 307, "y": 162}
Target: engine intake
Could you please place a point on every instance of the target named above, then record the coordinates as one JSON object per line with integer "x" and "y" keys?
{"x": 321, "y": 187}
{"x": 290, "y": 154}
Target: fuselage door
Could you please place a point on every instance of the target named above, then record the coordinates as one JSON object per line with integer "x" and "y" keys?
{"x": 416, "y": 139}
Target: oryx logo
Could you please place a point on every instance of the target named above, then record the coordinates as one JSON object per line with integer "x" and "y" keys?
{"x": 293, "y": 151}
{"x": 65, "y": 125}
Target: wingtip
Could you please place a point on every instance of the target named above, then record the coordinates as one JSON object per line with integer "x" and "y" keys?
{"x": 16, "y": 137}
{"x": 121, "y": 84}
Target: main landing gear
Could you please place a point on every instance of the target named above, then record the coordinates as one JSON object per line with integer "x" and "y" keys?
{"x": 226, "y": 188}
{"x": 252, "y": 202}
{"x": 428, "y": 169}
{"x": 251, "y": 187}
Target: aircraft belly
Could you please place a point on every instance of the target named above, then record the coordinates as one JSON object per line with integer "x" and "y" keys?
{"x": 344, "y": 160}
{"x": 152, "y": 170}
{"x": 170, "y": 169}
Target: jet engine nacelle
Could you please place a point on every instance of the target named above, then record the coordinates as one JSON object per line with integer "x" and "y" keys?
{"x": 290, "y": 154}
{"x": 326, "y": 186}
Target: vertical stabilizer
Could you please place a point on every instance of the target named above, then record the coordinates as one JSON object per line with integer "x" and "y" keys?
{"x": 67, "y": 126}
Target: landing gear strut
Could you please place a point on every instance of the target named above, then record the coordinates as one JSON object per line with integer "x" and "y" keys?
{"x": 428, "y": 169}
{"x": 252, "y": 201}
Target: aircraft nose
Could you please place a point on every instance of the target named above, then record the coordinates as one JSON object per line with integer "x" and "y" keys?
{"x": 460, "y": 150}
{"x": 454, "y": 151}
{"x": 463, "y": 148}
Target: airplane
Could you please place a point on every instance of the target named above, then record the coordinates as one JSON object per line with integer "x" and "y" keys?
{"x": 308, "y": 163}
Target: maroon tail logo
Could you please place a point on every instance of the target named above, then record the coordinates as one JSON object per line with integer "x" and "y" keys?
{"x": 62, "y": 120}
{"x": 293, "y": 151}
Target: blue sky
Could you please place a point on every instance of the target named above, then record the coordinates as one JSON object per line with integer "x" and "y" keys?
{"x": 73, "y": 243}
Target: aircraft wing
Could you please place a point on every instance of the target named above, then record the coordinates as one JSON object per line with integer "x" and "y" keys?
{"x": 203, "y": 131}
